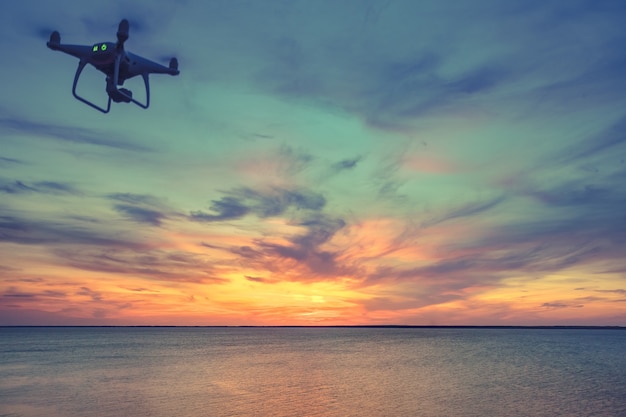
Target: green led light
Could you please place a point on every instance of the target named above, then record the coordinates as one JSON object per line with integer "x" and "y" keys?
{"x": 95, "y": 48}
{"x": 103, "y": 47}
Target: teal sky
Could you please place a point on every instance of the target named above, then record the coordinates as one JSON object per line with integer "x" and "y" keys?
{"x": 354, "y": 162}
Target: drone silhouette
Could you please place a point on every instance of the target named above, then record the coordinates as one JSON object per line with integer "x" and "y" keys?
{"x": 116, "y": 63}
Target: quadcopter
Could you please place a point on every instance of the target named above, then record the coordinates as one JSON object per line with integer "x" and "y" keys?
{"x": 117, "y": 64}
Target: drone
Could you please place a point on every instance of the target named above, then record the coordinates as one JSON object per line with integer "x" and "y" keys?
{"x": 117, "y": 64}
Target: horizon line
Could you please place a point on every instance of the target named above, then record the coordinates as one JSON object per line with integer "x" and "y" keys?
{"x": 390, "y": 326}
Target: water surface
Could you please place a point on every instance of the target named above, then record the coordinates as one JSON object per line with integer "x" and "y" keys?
{"x": 279, "y": 372}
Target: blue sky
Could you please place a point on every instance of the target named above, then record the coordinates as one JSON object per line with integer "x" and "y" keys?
{"x": 318, "y": 162}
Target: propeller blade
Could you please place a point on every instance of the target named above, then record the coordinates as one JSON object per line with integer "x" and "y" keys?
{"x": 55, "y": 37}
{"x": 55, "y": 41}
{"x": 122, "y": 31}
{"x": 174, "y": 63}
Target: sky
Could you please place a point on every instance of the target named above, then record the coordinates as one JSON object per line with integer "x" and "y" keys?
{"x": 362, "y": 162}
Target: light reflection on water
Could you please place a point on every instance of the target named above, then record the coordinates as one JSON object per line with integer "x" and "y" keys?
{"x": 279, "y": 372}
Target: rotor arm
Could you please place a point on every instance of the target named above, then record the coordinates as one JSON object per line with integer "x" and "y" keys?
{"x": 140, "y": 65}
{"x": 78, "y": 51}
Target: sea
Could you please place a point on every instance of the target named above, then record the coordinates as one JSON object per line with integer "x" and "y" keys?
{"x": 311, "y": 371}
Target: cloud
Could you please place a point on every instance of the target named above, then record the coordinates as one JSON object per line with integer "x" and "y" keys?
{"x": 303, "y": 251}
{"x": 293, "y": 161}
{"x": 4, "y": 268}
{"x": 94, "y": 295}
{"x": 611, "y": 139}
{"x": 227, "y": 208}
{"x": 306, "y": 249}
{"x": 142, "y": 208}
{"x": 246, "y": 252}
{"x": 149, "y": 263}
{"x": 375, "y": 74}
{"x": 42, "y": 187}
{"x": 136, "y": 199}
{"x": 618, "y": 291}
{"x": 20, "y": 295}
{"x": 407, "y": 301}
{"x": 141, "y": 290}
{"x": 477, "y": 264}
{"x": 43, "y": 232}
{"x": 576, "y": 214}
{"x": 345, "y": 164}
{"x": 9, "y": 161}
{"x": 262, "y": 203}
{"x": 371, "y": 71}
{"x": 141, "y": 215}
{"x": 15, "y": 187}
{"x": 407, "y": 92}
{"x": 104, "y": 306}
{"x": 466, "y": 210}
{"x": 32, "y": 296}
{"x": 479, "y": 80}
{"x": 69, "y": 134}
{"x": 261, "y": 280}
{"x": 580, "y": 220}
{"x": 52, "y": 187}
{"x": 577, "y": 195}
{"x": 559, "y": 305}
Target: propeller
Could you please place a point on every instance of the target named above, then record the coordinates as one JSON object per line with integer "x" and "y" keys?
{"x": 122, "y": 32}
{"x": 55, "y": 38}
{"x": 174, "y": 63}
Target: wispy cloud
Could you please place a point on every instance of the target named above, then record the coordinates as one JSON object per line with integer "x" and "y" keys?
{"x": 69, "y": 134}
{"x": 306, "y": 249}
{"x": 9, "y": 161}
{"x": 142, "y": 208}
{"x": 467, "y": 210}
{"x": 618, "y": 291}
{"x": 141, "y": 215}
{"x": 153, "y": 264}
{"x": 610, "y": 140}
{"x": 262, "y": 203}
{"x": 261, "y": 280}
{"x": 558, "y": 305}
{"x": 42, "y": 232}
{"x": 346, "y": 164}
{"x": 42, "y": 187}
{"x": 139, "y": 199}
{"x": 303, "y": 250}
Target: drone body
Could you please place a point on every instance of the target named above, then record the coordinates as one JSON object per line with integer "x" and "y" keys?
{"x": 117, "y": 64}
